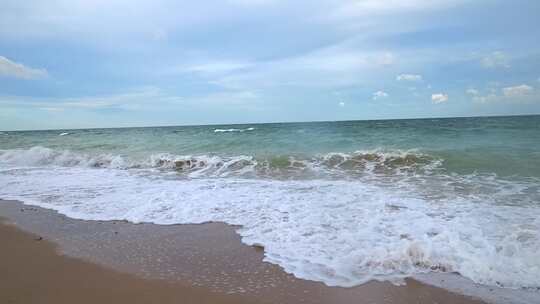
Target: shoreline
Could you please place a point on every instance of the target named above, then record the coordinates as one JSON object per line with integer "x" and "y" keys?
{"x": 207, "y": 260}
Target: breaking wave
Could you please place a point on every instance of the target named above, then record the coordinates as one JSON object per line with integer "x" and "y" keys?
{"x": 327, "y": 165}
{"x": 41, "y": 156}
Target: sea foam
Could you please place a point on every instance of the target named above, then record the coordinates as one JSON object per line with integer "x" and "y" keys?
{"x": 329, "y": 165}
{"x": 340, "y": 232}
{"x": 233, "y": 130}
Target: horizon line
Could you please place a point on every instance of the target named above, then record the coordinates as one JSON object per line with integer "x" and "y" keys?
{"x": 277, "y": 122}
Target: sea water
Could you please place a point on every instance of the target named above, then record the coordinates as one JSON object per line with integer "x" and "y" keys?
{"x": 337, "y": 202}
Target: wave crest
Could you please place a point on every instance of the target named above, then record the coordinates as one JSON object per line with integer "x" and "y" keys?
{"x": 279, "y": 166}
{"x": 41, "y": 156}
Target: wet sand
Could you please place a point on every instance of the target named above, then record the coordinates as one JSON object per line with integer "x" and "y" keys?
{"x": 49, "y": 258}
{"x": 32, "y": 271}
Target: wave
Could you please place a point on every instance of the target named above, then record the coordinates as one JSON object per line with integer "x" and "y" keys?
{"x": 280, "y": 166}
{"x": 41, "y": 156}
{"x": 233, "y": 130}
{"x": 340, "y": 232}
{"x": 64, "y": 134}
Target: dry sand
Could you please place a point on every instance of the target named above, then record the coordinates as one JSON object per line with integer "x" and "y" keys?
{"x": 117, "y": 262}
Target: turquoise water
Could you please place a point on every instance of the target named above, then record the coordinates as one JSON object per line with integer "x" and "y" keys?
{"x": 501, "y": 145}
{"x": 337, "y": 202}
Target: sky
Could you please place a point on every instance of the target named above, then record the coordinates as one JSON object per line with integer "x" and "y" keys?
{"x": 103, "y": 63}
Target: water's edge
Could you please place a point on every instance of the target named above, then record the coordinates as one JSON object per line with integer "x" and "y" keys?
{"x": 75, "y": 246}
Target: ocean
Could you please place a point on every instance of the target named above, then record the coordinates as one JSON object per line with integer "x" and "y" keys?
{"x": 337, "y": 202}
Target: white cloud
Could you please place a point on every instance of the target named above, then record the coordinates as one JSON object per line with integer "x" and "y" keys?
{"x": 379, "y": 94}
{"x": 17, "y": 70}
{"x": 517, "y": 91}
{"x": 409, "y": 77}
{"x": 495, "y": 60}
{"x": 341, "y": 104}
{"x": 439, "y": 98}
{"x": 472, "y": 92}
{"x": 217, "y": 67}
{"x": 515, "y": 94}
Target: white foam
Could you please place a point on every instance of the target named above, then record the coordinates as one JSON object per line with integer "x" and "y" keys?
{"x": 41, "y": 156}
{"x": 64, "y": 134}
{"x": 342, "y": 233}
{"x": 233, "y": 130}
{"x": 342, "y": 165}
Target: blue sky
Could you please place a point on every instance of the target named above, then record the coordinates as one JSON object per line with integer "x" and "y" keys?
{"x": 76, "y": 64}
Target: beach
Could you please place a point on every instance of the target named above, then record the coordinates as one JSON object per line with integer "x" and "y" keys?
{"x": 49, "y": 258}
{"x": 265, "y": 151}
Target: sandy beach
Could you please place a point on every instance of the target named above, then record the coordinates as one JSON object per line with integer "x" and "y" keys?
{"x": 49, "y": 258}
{"x": 265, "y": 151}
